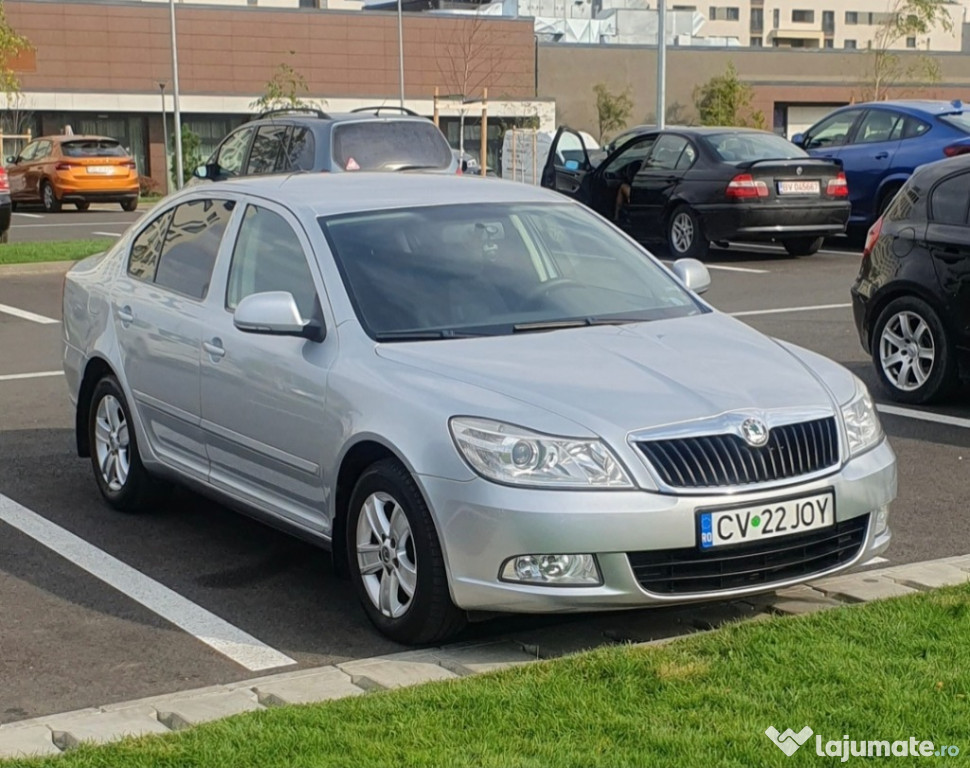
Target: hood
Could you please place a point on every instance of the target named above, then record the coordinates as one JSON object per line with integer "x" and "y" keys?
{"x": 617, "y": 379}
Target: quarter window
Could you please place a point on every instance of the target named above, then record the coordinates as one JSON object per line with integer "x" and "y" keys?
{"x": 232, "y": 153}
{"x": 191, "y": 246}
{"x": 143, "y": 260}
{"x": 950, "y": 200}
{"x": 268, "y": 256}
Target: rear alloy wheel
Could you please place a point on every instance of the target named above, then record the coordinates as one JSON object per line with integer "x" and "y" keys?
{"x": 803, "y": 246}
{"x": 685, "y": 239}
{"x": 911, "y": 353}
{"x": 129, "y": 205}
{"x": 122, "y": 479}
{"x": 82, "y": 205}
{"x": 395, "y": 558}
{"x": 48, "y": 198}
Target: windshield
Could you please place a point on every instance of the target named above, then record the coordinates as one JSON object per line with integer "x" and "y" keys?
{"x": 493, "y": 269}
{"x": 93, "y": 148}
{"x": 749, "y": 147}
{"x": 390, "y": 145}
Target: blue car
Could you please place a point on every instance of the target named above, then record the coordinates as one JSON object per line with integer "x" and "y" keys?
{"x": 880, "y": 144}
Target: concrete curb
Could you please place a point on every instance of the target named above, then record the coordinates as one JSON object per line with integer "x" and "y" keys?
{"x": 51, "y": 734}
{"x": 37, "y": 268}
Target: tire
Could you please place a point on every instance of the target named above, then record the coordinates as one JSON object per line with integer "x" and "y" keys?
{"x": 906, "y": 326}
{"x": 803, "y": 246}
{"x": 130, "y": 491}
{"x": 5, "y": 236}
{"x": 387, "y": 493}
{"x": 129, "y": 205}
{"x": 685, "y": 236}
{"x": 886, "y": 198}
{"x": 48, "y": 198}
{"x": 13, "y": 206}
{"x": 82, "y": 205}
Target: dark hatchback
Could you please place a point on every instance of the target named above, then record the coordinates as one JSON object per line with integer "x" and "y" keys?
{"x": 691, "y": 186}
{"x": 370, "y": 139}
{"x": 911, "y": 300}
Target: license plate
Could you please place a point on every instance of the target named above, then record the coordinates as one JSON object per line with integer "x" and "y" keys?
{"x": 740, "y": 525}
{"x": 799, "y": 188}
{"x": 104, "y": 170}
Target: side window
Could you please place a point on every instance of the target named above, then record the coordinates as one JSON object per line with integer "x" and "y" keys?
{"x": 666, "y": 153}
{"x": 232, "y": 153}
{"x": 687, "y": 157}
{"x": 913, "y": 127}
{"x": 879, "y": 125}
{"x": 950, "y": 200}
{"x": 267, "y": 151}
{"x": 143, "y": 260}
{"x": 43, "y": 150}
{"x": 29, "y": 150}
{"x": 268, "y": 256}
{"x": 191, "y": 246}
{"x": 301, "y": 151}
{"x": 630, "y": 160}
{"x": 833, "y": 131}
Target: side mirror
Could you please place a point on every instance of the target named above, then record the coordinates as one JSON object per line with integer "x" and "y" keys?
{"x": 571, "y": 165}
{"x": 12, "y": 159}
{"x": 201, "y": 172}
{"x": 798, "y": 139}
{"x": 274, "y": 313}
{"x": 692, "y": 273}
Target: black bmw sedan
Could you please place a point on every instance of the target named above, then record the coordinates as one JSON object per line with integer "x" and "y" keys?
{"x": 692, "y": 186}
{"x": 911, "y": 300}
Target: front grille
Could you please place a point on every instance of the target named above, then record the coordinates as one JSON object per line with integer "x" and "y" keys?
{"x": 716, "y": 461}
{"x": 691, "y": 570}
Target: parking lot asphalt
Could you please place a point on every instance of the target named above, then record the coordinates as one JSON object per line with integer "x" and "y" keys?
{"x": 100, "y": 220}
{"x": 68, "y": 640}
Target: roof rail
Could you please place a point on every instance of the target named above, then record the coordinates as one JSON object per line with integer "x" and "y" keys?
{"x": 290, "y": 110}
{"x": 377, "y": 110}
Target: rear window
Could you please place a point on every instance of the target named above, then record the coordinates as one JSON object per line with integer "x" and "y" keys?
{"x": 748, "y": 147}
{"x": 390, "y": 145}
{"x": 960, "y": 121}
{"x": 907, "y": 204}
{"x": 101, "y": 148}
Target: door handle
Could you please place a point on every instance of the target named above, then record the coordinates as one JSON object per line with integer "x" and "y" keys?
{"x": 125, "y": 315}
{"x": 214, "y": 348}
{"x": 881, "y": 156}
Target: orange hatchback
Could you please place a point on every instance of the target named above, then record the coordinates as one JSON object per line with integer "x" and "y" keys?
{"x": 53, "y": 170}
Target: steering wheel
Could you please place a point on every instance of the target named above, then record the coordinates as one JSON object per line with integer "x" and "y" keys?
{"x": 550, "y": 286}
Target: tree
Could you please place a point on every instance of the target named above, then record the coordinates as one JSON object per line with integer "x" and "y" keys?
{"x": 284, "y": 90}
{"x": 12, "y": 45}
{"x": 613, "y": 110}
{"x": 726, "y": 100}
{"x": 885, "y": 69}
{"x": 469, "y": 56}
{"x": 191, "y": 154}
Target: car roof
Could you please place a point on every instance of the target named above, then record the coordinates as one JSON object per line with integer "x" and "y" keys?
{"x": 939, "y": 168}
{"x": 329, "y": 194}
{"x": 335, "y": 117}
{"x": 696, "y": 130}
{"x": 924, "y": 106}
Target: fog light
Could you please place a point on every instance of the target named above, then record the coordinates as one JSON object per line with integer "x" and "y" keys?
{"x": 882, "y": 520}
{"x": 553, "y": 570}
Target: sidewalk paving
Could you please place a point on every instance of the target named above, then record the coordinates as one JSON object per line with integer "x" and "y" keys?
{"x": 52, "y": 734}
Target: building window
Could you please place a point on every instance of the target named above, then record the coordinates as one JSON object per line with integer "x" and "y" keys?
{"x": 910, "y": 42}
{"x": 757, "y": 19}
{"x": 803, "y": 17}
{"x": 828, "y": 21}
{"x": 733, "y": 14}
{"x": 724, "y": 13}
{"x": 756, "y": 42}
{"x": 851, "y": 17}
{"x": 776, "y": 18}
{"x": 829, "y": 42}
{"x": 850, "y": 45}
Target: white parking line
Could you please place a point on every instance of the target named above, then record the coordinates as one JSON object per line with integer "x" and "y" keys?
{"x": 230, "y": 641}
{"x": 781, "y": 251}
{"x": 936, "y": 418}
{"x": 23, "y": 314}
{"x": 781, "y": 310}
{"x": 39, "y": 375}
{"x": 107, "y": 234}
{"x": 29, "y": 215}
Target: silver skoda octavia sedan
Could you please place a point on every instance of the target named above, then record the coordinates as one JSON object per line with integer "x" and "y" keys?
{"x": 481, "y": 396}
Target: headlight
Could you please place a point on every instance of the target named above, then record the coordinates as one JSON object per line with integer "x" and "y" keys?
{"x": 862, "y": 427}
{"x": 517, "y": 456}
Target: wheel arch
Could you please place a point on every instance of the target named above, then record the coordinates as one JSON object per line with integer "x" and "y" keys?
{"x": 899, "y": 291}
{"x": 95, "y": 370}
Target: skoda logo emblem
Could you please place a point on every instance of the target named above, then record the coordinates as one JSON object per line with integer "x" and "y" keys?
{"x": 799, "y": 170}
{"x": 754, "y": 432}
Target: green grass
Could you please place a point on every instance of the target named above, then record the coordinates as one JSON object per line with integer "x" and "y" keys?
{"x": 885, "y": 670}
{"x": 65, "y": 250}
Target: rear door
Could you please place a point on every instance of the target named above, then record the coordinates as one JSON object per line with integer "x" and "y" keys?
{"x": 868, "y": 157}
{"x": 948, "y": 240}
{"x": 267, "y": 152}
{"x": 567, "y": 165}
{"x": 653, "y": 187}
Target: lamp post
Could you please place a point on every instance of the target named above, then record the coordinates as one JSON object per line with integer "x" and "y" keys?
{"x": 661, "y": 64}
{"x": 175, "y": 100}
{"x": 161, "y": 89}
{"x": 400, "y": 46}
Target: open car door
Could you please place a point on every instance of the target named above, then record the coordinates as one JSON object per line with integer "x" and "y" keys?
{"x": 567, "y": 165}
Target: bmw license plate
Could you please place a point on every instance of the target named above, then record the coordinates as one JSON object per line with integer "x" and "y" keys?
{"x": 754, "y": 522}
{"x": 799, "y": 188}
{"x": 103, "y": 170}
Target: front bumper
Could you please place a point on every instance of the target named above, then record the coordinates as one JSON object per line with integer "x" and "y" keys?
{"x": 773, "y": 221}
{"x": 482, "y": 524}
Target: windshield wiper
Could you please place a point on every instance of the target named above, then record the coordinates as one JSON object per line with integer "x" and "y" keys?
{"x": 424, "y": 335}
{"x": 581, "y": 322}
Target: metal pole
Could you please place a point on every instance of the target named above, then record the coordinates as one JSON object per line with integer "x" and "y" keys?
{"x": 400, "y": 46}
{"x": 483, "y": 149}
{"x": 168, "y": 183}
{"x": 175, "y": 100}
{"x": 661, "y": 64}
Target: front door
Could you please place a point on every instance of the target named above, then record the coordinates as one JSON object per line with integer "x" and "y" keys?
{"x": 567, "y": 165}
{"x": 948, "y": 238}
{"x": 264, "y": 397}
{"x": 611, "y": 185}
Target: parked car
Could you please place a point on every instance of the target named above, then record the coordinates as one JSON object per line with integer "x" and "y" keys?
{"x": 480, "y": 395}
{"x": 53, "y": 170}
{"x": 882, "y": 143}
{"x": 288, "y": 140}
{"x": 689, "y": 187}
{"x": 911, "y": 299}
